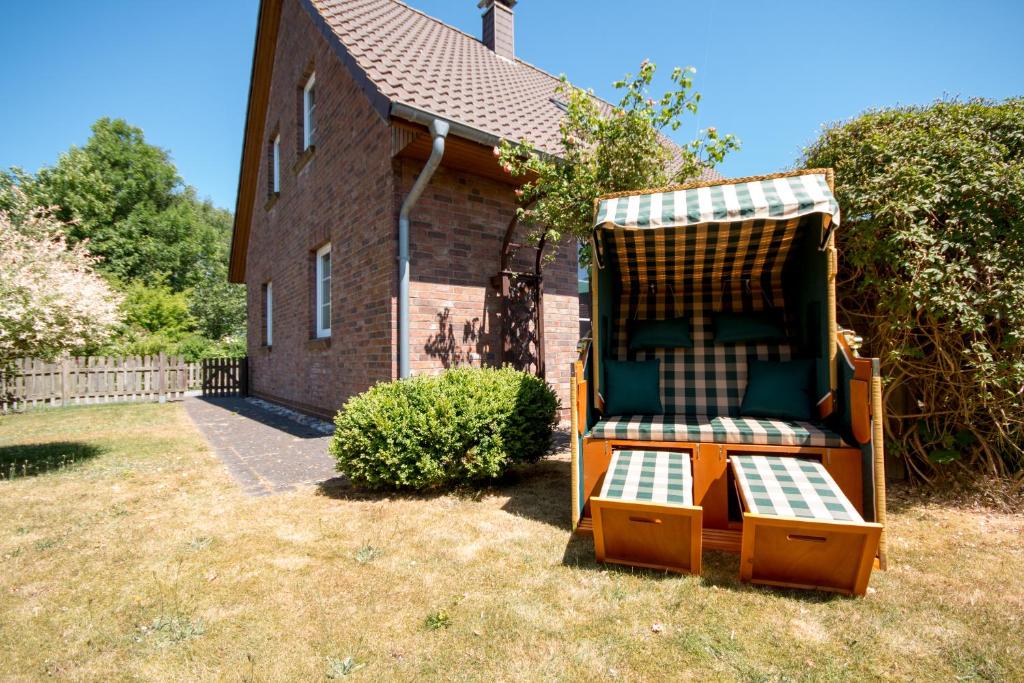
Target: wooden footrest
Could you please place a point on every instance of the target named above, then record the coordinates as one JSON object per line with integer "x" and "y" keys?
{"x": 645, "y": 515}
{"x": 799, "y": 529}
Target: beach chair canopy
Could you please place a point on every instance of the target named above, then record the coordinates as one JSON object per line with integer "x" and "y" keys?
{"x": 743, "y": 247}
{"x": 772, "y": 198}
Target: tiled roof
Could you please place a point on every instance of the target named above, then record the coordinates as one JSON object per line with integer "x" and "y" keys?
{"x": 419, "y": 61}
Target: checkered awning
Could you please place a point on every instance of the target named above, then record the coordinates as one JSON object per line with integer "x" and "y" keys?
{"x": 790, "y": 487}
{"x": 771, "y": 199}
{"x": 649, "y": 476}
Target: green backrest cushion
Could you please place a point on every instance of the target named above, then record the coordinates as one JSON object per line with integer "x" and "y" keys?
{"x": 660, "y": 334}
{"x": 749, "y": 327}
{"x": 632, "y": 387}
{"x": 779, "y": 389}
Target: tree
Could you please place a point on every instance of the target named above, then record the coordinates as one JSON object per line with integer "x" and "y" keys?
{"x": 51, "y": 298}
{"x": 125, "y": 196}
{"x": 609, "y": 149}
{"x": 932, "y": 274}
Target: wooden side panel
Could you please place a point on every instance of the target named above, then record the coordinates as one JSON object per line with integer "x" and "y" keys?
{"x": 580, "y": 399}
{"x": 878, "y": 443}
{"x": 575, "y": 454}
{"x": 859, "y": 411}
{"x": 793, "y": 553}
{"x": 710, "y": 484}
{"x": 655, "y": 536}
{"x": 844, "y": 464}
{"x": 597, "y": 455}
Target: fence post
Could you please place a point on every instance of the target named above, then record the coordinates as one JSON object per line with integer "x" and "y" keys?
{"x": 243, "y": 371}
{"x": 65, "y": 377}
{"x": 161, "y": 377}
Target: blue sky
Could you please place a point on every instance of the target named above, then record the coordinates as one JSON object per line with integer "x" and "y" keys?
{"x": 771, "y": 73}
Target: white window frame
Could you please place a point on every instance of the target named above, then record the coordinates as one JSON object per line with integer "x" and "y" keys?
{"x": 323, "y": 327}
{"x": 276, "y": 155}
{"x": 270, "y": 313}
{"x": 308, "y": 112}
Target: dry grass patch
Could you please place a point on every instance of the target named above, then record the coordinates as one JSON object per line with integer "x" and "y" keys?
{"x": 146, "y": 561}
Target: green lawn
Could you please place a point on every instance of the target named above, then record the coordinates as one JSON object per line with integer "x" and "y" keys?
{"x": 143, "y": 560}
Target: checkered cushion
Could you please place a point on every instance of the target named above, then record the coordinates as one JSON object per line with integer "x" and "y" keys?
{"x": 649, "y": 476}
{"x": 745, "y": 430}
{"x": 698, "y": 271}
{"x": 790, "y": 487}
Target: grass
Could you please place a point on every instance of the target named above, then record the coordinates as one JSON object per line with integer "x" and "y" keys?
{"x": 145, "y": 561}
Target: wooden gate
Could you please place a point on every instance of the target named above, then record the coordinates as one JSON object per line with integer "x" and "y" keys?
{"x": 226, "y": 376}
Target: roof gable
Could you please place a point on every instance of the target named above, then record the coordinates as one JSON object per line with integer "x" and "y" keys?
{"x": 401, "y": 56}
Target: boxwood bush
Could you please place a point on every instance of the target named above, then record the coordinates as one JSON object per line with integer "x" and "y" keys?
{"x": 465, "y": 425}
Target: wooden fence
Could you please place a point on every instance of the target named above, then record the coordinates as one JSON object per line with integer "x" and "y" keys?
{"x": 97, "y": 379}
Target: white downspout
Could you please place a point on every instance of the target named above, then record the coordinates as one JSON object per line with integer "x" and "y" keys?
{"x": 439, "y": 131}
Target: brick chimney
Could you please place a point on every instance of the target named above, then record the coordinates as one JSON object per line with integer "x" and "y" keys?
{"x": 499, "y": 27}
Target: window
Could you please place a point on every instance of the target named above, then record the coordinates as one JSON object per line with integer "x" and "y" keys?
{"x": 308, "y": 108}
{"x": 323, "y": 291}
{"x": 268, "y": 313}
{"x": 275, "y": 159}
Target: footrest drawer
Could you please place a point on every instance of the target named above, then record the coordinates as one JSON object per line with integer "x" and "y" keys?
{"x": 656, "y": 536}
{"x": 796, "y": 553}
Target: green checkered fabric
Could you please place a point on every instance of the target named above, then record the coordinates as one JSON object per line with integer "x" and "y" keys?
{"x": 775, "y": 198}
{"x": 702, "y": 429}
{"x": 791, "y": 487}
{"x": 649, "y": 476}
{"x": 698, "y": 271}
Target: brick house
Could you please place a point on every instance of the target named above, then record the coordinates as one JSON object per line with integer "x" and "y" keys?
{"x": 348, "y": 108}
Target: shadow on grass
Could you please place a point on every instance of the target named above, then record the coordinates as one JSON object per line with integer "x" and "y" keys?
{"x": 533, "y": 491}
{"x": 719, "y": 570}
{"x": 30, "y": 460}
{"x": 538, "y": 491}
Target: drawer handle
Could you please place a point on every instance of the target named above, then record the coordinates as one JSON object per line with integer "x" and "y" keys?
{"x": 802, "y": 537}
{"x": 645, "y": 520}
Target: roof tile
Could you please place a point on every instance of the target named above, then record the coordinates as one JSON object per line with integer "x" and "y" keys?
{"x": 420, "y": 61}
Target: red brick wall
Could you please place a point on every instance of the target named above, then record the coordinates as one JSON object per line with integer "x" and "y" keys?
{"x": 349, "y": 193}
{"x": 339, "y": 196}
{"x": 455, "y": 241}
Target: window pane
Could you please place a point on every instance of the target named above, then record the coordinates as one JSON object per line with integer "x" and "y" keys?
{"x": 270, "y": 314}
{"x": 277, "y": 164}
{"x": 324, "y": 291}
{"x": 308, "y": 108}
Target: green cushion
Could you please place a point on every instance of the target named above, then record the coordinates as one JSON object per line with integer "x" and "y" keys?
{"x": 660, "y": 334}
{"x": 779, "y": 389}
{"x": 731, "y": 328}
{"x": 632, "y": 387}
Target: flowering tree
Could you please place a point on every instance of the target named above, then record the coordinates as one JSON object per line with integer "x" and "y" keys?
{"x": 610, "y": 149}
{"x": 51, "y": 298}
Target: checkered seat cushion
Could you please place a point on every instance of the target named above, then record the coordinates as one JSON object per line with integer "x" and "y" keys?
{"x": 790, "y": 487}
{"x": 703, "y": 429}
{"x": 650, "y": 477}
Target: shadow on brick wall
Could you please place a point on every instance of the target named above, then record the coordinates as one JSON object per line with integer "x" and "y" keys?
{"x": 469, "y": 346}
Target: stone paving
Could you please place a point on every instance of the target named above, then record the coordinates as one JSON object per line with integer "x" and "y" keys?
{"x": 266, "y": 451}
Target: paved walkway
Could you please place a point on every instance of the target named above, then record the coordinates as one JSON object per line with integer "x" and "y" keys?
{"x": 264, "y": 451}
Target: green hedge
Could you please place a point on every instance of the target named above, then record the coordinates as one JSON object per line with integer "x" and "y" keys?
{"x": 465, "y": 425}
{"x": 932, "y": 275}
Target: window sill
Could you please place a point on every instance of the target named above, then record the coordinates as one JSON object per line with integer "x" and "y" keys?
{"x": 271, "y": 200}
{"x": 304, "y": 158}
{"x": 267, "y": 347}
{"x": 318, "y": 343}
